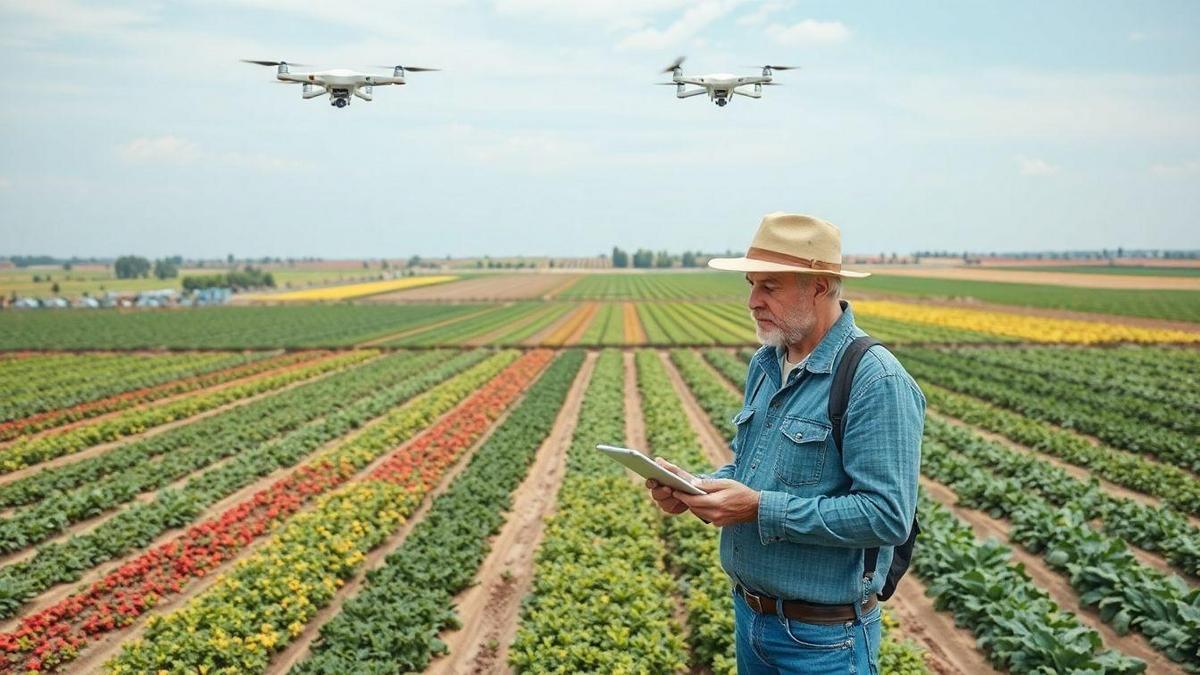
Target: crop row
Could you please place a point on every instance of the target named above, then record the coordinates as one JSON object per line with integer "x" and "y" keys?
{"x": 691, "y": 324}
{"x": 1171, "y": 484}
{"x": 459, "y": 332}
{"x": 350, "y": 408}
{"x": 38, "y": 385}
{"x": 657, "y": 286}
{"x": 1024, "y": 327}
{"x": 1101, "y": 379}
{"x": 581, "y": 318}
{"x": 1086, "y": 394}
{"x": 348, "y": 291}
{"x": 600, "y": 595}
{"x": 896, "y": 331}
{"x": 1149, "y": 528}
{"x": 54, "y": 635}
{"x": 1014, "y": 621}
{"x": 218, "y": 327}
{"x": 136, "y": 397}
{"x": 394, "y": 621}
{"x": 692, "y": 545}
{"x": 260, "y": 605}
{"x": 608, "y": 328}
{"x": 540, "y": 320}
{"x": 27, "y": 451}
{"x": 1123, "y": 421}
{"x": 1106, "y": 575}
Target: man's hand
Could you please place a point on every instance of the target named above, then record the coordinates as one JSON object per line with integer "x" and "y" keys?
{"x": 665, "y": 497}
{"x": 728, "y": 502}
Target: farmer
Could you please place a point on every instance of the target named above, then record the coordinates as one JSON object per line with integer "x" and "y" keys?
{"x": 800, "y": 517}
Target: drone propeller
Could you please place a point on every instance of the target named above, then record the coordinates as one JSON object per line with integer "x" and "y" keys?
{"x": 275, "y": 63}
{"x": 411, "y": 69}
{"x": 776, "y": 67}
{"x": 674, "y": 64}
{"x": 771, "y": 84}
{"x": 667, "y": 84}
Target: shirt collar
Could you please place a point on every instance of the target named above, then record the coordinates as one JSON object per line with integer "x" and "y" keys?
{"x": 821, "y": 358}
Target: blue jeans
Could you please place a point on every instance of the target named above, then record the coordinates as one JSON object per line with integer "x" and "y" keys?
{"x": 768, "y": 644}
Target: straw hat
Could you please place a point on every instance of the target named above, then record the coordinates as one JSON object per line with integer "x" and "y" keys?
{"x": 789, "y": 242}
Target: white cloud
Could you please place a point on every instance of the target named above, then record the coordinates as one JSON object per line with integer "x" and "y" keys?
{"x": 809, "y": 32}
{"x": 171, "y": 149}
{"x": 1137, "y": 36}
{"x": 694, "y": 20}
{"x": 66, "y": 16}
{"x": 168, "y": 149}
{"x": 1032, "y": 166}
{"x": 1189, "y": 167}
{"x": 764, "y": 11}
{"x": 524, "y": 151}
{"x": 5, "y": 183}
{"x": 610, "y": 14}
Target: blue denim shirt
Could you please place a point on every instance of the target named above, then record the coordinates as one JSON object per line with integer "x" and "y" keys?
{"x": 818, "y": 510}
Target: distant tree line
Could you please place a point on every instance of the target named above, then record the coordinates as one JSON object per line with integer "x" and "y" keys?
{"x": 647, "y": 259}
{"x": 1102, "y": 254}
{"x": 137, "y": 267}
{"x": 247, "y": 277}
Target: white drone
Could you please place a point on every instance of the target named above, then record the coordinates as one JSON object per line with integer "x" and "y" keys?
{"x": 720, "y": 87}
{"x": 338, "y": 83}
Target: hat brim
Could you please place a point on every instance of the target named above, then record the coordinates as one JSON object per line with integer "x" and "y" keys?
{"x": 745, "y": 264}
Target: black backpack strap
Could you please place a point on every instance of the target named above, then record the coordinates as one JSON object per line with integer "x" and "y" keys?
{"x": 839, "y": 391}
{"x": 839, "y": 400}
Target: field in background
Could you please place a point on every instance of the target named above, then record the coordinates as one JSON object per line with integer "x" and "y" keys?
{"x": 221, "y": 504}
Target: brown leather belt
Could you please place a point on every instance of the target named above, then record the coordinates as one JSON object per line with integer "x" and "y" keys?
{"x": 806, "y": 612}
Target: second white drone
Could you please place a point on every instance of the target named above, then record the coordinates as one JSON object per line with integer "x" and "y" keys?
{"x": 720, "y": 87}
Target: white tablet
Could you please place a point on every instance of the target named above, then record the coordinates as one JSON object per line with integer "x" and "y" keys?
{"x": 648, "y": 468}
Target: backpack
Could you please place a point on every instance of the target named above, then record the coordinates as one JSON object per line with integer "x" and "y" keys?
{"x": 839, "y": 400}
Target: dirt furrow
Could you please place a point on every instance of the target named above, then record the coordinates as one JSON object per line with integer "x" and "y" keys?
{"x": 712, "y": 440}
{"x": 490, "y": 608}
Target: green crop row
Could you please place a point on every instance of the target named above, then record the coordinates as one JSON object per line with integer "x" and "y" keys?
{"x": 1170, "y": 484}
{"x": 657, "y": 286}
{"x": 1127, "y": 594}
{"x": 460, "y": 332}
{"x": 394, "y": 621}
{"x": 332, "y": 325}
{"x": 70, "y": 379}
{"x": 607, "y": 328}
{"x": 1066, "y": 405}
{"x": 548, "y": 314}
{"x": 600, "y": 595}
{"x": 692, "y": 545}
{"x": 347, "y": 402}
{"x": 1016, "y": 623}
{"x": 1152, "y": 529}
{"x": 27, "y": 451}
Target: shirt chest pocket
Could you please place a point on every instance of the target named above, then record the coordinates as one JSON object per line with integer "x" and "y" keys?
{"x": 800, "y": 451}
{"x": 741, "y": 423}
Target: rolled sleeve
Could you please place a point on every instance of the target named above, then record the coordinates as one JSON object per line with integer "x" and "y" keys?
{"x": 772, "y": 516}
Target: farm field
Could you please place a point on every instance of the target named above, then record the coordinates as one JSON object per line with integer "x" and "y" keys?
{"x": 413, "y": 487}
{"x": 1067, "y": 278}
{"x": 1129, "y": 270}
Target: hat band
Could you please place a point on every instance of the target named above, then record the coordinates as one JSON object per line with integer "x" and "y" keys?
{"x": 785, "y": 259}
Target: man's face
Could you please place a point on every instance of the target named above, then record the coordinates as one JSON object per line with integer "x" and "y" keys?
{"x": 783, "y": 305}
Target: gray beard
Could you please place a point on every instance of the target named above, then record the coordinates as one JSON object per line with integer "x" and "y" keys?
{"x": 795, "y": 330}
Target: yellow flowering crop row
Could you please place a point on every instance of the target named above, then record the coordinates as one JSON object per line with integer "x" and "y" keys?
{"x": 349, "y": 291}
{"x": 1031, "y": 328}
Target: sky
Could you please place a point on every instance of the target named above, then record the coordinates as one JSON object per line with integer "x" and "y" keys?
{"x": 981, "y": 126}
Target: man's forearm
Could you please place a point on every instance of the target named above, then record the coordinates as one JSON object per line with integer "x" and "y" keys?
{"x": 850, "y": 521}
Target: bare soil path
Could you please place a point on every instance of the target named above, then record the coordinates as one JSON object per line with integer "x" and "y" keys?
{"x": 712, "y": 441}
{"x": 490, "y": 608}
